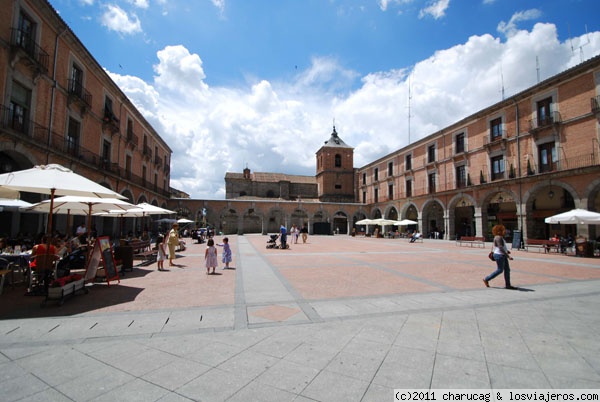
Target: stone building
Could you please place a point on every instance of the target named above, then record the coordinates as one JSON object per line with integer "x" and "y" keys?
{"x": 530, "y": 156}
{"x": 58, "y": 105}
{"x": 269, "y": 186}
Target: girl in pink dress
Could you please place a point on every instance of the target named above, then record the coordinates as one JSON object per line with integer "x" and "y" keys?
{"x": 210, "y": 256}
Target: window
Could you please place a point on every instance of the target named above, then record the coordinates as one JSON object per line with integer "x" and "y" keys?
{"x": 431, "y": 182}
{"x": 338, "y": 160}
{"x": 20, "y": 101}
{"x": 364, "y": 178}
{"x": 496, "y": 128}
{"x": 376, "y": 174}
{"x": 143, "y": 175}
{"x": 72, "y": 140}
{"x": 409, "y": 188}
{"x": 431, "y": 153}
{"x": 459, "y": 143}
{"x": 338, "y": 186}
{"x": 76, "y": 83}
{"x": 128, "y": 166}
{"x": 544, "y": 113}
{"x": 408, "y": 162}
{"x": 390, "y": 192}
{"x": 26, "y": 34}
{"x": 106, "y": 154}
{"x": 129, "y": 129}
{"x": 461, "y": 177}
{"x": 390, "y": 169}
{"x": 376, "y": 195}
{"x": 364, "y": 197}
{"x": 548, "y": 157}
{"x": 108, "y": 109}
{"x": 498, "y": 167}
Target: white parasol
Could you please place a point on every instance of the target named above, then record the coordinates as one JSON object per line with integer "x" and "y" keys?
{"x": 77, "y": 205}
{"x": 575, "y": 216}
{"x": 54, "y": 180}
{"x": 405, "y": 222}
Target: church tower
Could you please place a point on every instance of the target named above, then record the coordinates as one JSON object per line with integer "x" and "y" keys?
{"x": 335, "y": 170}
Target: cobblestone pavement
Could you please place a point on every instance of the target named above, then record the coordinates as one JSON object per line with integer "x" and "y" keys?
{"x": 338, "y": 318}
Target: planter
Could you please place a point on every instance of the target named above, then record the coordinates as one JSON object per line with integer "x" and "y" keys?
{"x": 61, "y": 293}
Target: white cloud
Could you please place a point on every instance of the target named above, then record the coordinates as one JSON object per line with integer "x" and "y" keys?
{"x": 220, "y": 4}
{"x": 278, "y": 126}
{"x": 510, "y": 28}
{"x": 139, "y": 3}
{"x": 437, "y": 9}
{"x": 117, "y": 19}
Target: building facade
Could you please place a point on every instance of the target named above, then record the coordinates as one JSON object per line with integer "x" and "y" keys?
{"x": 516, "y": 162}
{"x": 59, "y": 106}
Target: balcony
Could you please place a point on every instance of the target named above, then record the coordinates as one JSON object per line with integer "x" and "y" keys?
{"x": 158, "y": 161}
{"x": 494, "y": 142}
{"x": 147, "y": 152}
{"x": 545, "y": 124}
{"x": 595, "y": 105}
{"x": 78, "y": 94}
{"x": 110, "y": 122}
{"x": 22, "y": 44}
{"x": 14, "y": 122}
{"x": 132, "y": 139}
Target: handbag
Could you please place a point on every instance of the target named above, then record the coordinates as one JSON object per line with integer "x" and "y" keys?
{"x": 491, "y": 256}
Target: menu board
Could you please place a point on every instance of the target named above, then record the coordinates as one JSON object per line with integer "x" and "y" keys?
{"x": 101, "y": 252}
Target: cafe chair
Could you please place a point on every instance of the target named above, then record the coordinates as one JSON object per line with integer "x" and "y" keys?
{"x": 43, "y": 273}
{"x": 6, "y": 269}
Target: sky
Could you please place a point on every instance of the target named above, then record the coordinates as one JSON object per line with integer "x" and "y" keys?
{"x": 230, "y": 84}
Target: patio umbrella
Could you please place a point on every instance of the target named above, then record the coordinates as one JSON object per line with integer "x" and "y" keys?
{"x": 140, "y": 210}
{"x": 77, "y": 205}
{"x": 54, "y": 180}
{"x": 575, "y": 216}
{"x": 365, "y": 222}
{"x": 184, "y": 221}
{"x": 13, "y": 204}
{"x": 405, "y": 222}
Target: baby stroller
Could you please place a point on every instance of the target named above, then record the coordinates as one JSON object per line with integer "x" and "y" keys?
{"x": 272, "y": 242}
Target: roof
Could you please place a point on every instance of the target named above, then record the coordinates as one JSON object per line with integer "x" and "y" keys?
{"x": 335, "y": 141}
{"x": 273, "y": 177}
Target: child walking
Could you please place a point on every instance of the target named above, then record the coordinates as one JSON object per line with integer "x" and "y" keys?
{"x": 226, "y": 252}
{"x": 210, "y": 256}
{"x": 162, "y": 254}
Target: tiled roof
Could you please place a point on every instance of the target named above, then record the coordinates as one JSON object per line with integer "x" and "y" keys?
{"x": 265, "y": 177}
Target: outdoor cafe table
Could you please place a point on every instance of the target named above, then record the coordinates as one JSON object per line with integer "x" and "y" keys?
{"x": 21, "y": 260}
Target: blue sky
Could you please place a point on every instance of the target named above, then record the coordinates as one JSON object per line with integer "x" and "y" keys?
{"x": 230, "y": 83}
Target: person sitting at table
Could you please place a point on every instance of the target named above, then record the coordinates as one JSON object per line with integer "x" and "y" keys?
{"x": 45, "y": 255}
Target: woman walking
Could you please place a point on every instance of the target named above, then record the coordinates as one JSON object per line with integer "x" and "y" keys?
{"x": 501, "y": 256}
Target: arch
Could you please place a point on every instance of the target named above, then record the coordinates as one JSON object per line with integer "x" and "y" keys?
{"x": 548, "y": 198}
{"x": 228, "y": 221}
{"x": 252, "y": 220}
{"x": 338, "y": 160}
{"x": 340, "y": 222}
{"x": 391, "y": 213}
{"x": 433, "y": 222}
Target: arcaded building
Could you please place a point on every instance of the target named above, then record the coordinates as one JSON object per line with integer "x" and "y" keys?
{"x": 516, "y": 162}
{"x": 58, "y": 105}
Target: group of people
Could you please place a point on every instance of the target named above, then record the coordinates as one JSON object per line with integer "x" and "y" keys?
{"x": 167, "y": 245}
{"x": 295, "y": 232}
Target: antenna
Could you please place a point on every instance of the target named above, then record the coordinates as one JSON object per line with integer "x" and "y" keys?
{"x": 570, "y": 38}
{"x": 502, "y": 81}
{"x": 585, "y": 44}
{"x": 409, "y": 115}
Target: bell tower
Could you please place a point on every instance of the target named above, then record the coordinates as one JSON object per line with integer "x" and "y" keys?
{"x": 335, "y": 170}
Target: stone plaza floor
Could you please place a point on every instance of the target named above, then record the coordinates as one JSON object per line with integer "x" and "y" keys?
{"x": 338, "y": 318}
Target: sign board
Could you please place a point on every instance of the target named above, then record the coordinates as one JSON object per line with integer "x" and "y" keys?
{"x": 516, "y": 243}
{"x": 101, "y": 252}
